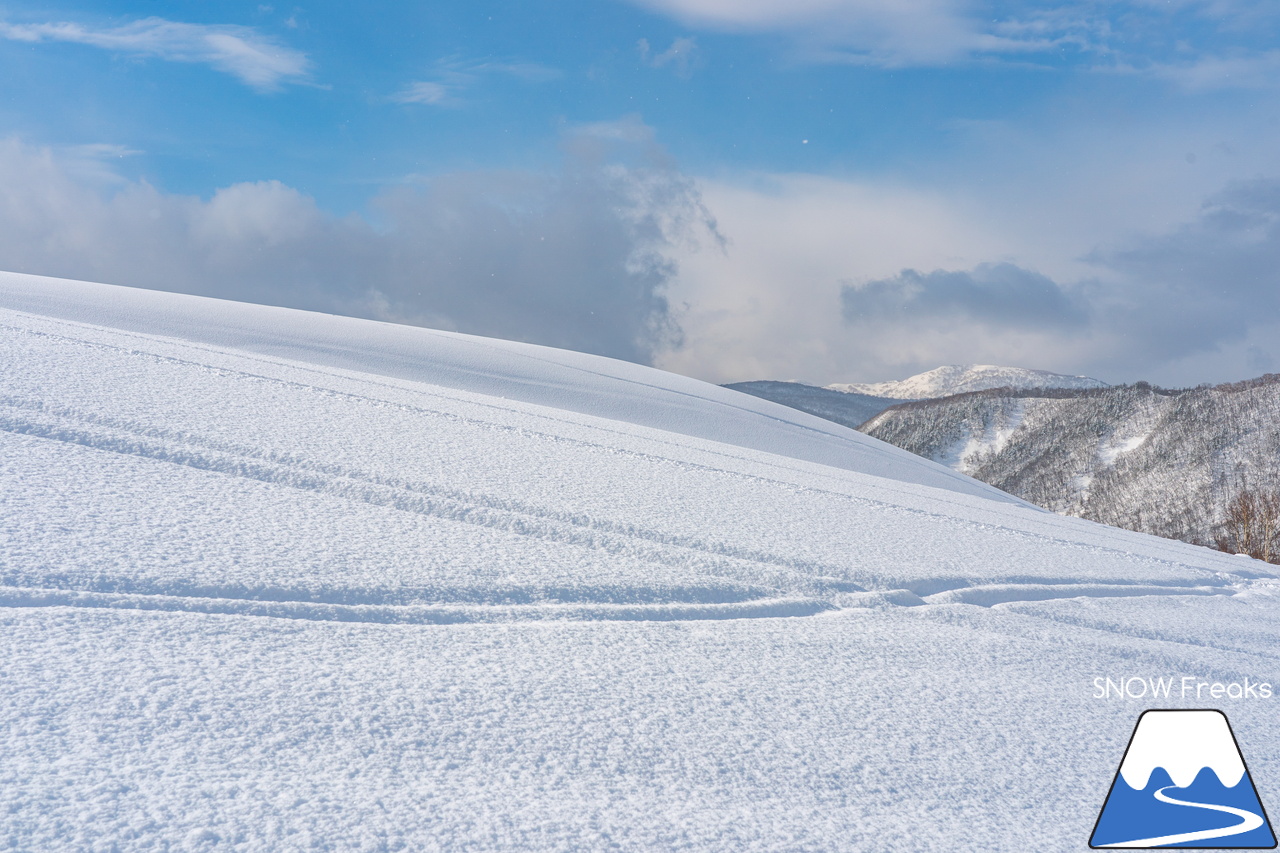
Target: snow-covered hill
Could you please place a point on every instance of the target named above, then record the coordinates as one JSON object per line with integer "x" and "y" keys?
{"x": 846, "y": 409}
{"x": 1162, "y": 462}
{"x": 272, "y": 580}
{"x": 961, "y": 379}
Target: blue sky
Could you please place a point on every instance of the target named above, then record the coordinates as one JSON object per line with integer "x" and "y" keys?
{"x": 823, "y": 190}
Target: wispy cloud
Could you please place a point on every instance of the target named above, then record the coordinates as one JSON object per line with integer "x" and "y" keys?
{"x": 452, "y": 77}
{"x": 880, "y": 32}
{"x": 436, "y": 93}
{"x": 679, "y": 57}
{"x": 530, "y": 72}
{"x": 243, "y": 52}
{"x": 1212, "y": 73}
{"x": 95, "y": 163}
{"x": 1199, "y": 44}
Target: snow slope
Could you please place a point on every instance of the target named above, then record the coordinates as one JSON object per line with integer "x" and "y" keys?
{"x": 963, "y": 378}
{"x": 278, "y": 581}
{"x": 847, "y": 409}
{"x": 563, "y": 380}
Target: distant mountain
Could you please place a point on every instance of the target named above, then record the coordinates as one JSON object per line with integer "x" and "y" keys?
{"x": 963, "y": 378}
{"x": 1132, "y": 456}
{"x": 849, "y": 409}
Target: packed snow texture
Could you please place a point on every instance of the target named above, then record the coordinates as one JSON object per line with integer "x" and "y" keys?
{"x": 272, "y": 580}
{"x": 963, "y": 378}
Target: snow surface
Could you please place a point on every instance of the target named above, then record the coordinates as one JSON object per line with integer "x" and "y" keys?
{"x": 272, "y": 580}
{"x": 963, "y": 378}
{"x": 851, "y": 410}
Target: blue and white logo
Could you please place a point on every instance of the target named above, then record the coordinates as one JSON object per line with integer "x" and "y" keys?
{"x": 1183, "y": 783}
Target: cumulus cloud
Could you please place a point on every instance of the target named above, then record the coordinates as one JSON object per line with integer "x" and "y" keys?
{"x": 243, "y": 52}
{"x": 576, "y": 258}
{"x": 616, "y": 252}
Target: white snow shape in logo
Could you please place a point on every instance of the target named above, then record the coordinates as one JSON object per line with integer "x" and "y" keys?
{"x": 1183, "y": 743}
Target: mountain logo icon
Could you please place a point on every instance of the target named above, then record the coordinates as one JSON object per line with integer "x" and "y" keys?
{"x": 1183, "y": 783}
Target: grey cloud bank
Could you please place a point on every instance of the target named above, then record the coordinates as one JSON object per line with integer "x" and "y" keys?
{"x": 989, "y": 295}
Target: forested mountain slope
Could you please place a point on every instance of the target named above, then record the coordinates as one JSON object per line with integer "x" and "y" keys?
{"x": 1133, "y": 456}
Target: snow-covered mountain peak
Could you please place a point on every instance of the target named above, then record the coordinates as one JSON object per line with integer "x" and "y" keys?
{"x": 962, "y": 378}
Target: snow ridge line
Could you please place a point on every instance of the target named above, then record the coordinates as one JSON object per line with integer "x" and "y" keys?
{"x": 480, "y": 510}
{"x": 415, "y": 614}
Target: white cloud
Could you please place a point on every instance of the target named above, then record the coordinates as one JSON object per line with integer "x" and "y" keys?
{"x": 576, "y": 258}
{"x": 883, "y": 32}
{"x": 1197, "y": 44}
{"x": 679, "y": 57}
{"x": 1212, "y": 73}
{"x": 431, "y": 92}
{"x": 769, "y": 306}
{"x": 95, "y": 164}
{"x": 770, "y": 14}
{"x": 243, "y": 52}
{"x": 452, "y": 77}
{"x": 826, "y": 281}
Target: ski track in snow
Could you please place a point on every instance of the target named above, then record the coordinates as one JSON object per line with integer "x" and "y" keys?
{"x": 98, "y": 433}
